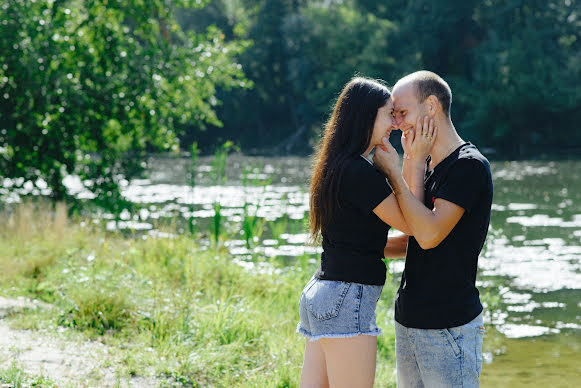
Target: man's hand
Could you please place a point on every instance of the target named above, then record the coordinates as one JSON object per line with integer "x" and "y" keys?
{"x": 407, "y": 138}
{"x": 421, "y": 142}
{"x": 386, "y": 159}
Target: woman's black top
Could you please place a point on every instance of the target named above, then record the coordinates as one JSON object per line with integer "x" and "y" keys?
{"x": 353, "y": 242}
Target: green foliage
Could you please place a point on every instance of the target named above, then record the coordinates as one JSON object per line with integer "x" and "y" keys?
{"x": 87, "y": 88}
{"x": 315, "y": 45}
{"x": 522, "y": 90}
{"x": 513, "y": 66}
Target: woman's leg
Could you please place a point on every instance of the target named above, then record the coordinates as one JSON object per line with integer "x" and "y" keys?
{"x": 314, "y": 373}
{"x": 350, "y": 361}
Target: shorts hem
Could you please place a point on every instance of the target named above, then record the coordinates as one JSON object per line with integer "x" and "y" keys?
{"x": 314, "y": 338}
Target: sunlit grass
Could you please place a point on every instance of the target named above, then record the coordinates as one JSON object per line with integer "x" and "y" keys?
{"x": 189, "y": 314}
{"x": 16, "y": 377}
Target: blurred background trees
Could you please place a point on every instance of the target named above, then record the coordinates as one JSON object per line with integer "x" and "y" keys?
{"x": 89, "y": 87}
{"x": 513, "y": 65}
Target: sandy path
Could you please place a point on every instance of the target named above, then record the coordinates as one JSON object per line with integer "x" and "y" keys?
{"x": 76, "y": 363}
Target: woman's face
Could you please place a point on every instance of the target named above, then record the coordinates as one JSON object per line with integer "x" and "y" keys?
{"x": 383, "y": 123}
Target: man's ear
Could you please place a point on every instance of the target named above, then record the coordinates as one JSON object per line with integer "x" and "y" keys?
{"x": 432, "y": 105}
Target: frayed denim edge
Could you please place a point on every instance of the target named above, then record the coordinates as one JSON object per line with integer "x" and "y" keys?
{"x": 314, "y": 338}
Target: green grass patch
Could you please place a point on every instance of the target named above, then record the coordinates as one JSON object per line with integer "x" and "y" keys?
{"x": 15, "y": 377}
{"x": 186, "y": 313}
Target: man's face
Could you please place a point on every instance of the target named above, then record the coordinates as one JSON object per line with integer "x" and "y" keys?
{"x": 406, "y": 108}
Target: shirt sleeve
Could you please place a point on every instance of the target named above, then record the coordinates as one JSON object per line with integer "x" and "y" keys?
{"x": 464, "y": 183}
{"x": 364, "y": 186}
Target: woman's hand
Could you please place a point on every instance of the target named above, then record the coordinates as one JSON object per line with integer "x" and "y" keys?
{"x": 386, "y": 159}
{"x": 420, "y": 143}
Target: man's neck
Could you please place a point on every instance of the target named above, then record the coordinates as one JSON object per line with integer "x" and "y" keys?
{"x": 446, "y": 142}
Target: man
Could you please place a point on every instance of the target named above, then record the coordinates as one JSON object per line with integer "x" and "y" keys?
{"x": 437, "y": 308}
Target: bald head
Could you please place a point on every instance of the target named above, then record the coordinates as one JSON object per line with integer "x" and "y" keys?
{"x": 425, "y": 84}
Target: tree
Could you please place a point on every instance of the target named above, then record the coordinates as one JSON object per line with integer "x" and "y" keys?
{"x": 323, "y": 58}
{"x": 522, "y": 90}
{"x": 88, "y": 87}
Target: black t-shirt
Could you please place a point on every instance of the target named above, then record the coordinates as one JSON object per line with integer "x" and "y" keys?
{"x": 353, "y": 243}
{"x": 437, "y": 287}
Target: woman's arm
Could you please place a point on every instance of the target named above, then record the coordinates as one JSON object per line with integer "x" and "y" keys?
{"x": 389, "y": 212}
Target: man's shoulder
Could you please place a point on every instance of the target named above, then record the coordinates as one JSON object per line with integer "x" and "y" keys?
{"x": 470, "y": 157}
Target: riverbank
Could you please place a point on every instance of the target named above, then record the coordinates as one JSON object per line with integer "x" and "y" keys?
{"x": 165, "y": 308}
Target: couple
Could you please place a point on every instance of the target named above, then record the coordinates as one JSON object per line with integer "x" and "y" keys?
{"x": 441, "y": 198}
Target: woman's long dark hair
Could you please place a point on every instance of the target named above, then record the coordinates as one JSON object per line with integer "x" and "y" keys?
{"x": 347, "y": 134}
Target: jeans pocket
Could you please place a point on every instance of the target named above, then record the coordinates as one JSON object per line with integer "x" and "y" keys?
{"x": 452, "y": 342}
{"x": 325, "y": 297}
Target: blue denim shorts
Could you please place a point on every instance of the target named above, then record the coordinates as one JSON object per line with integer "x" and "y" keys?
{"x": 335, "y": 309}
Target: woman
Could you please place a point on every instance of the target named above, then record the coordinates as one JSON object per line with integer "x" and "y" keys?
{"x": 352, "y": 208}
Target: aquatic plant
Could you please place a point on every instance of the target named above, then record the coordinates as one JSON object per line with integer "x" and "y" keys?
{"x": 216, "y": 228}
{"x": 219, "y": 178}
{"x": 278, "y": 227}
{"x": 192, "y": 183}
{"x": 252, "y": 224}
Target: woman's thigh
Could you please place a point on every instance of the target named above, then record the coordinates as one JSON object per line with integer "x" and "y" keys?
{"x": 350, "y": 361}
{"x": 314, "y": 372}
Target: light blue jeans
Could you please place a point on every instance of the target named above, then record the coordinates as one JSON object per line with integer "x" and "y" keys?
{"x": 434, "y": 358}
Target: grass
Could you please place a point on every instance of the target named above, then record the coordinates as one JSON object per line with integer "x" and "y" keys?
{"x": 168, "y": 305}
{"x": 15, "y": 377}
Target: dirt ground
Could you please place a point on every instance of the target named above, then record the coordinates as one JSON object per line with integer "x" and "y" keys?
{"x": 74, "y": 363}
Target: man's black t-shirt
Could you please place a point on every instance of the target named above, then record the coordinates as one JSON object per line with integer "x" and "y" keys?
{"x": 437, "y": 287}
{"x": 353, "y": 243}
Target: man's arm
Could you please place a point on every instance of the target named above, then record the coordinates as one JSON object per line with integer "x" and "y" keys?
{"x": 428, "y": 227}
{"x": 396, "y": 247}
{"x": 413, "y": 173}
{"x": 414, "y": 166}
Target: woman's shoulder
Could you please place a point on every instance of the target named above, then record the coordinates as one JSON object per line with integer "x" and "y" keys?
{"x": 360, "y": 169}
{"x": 358, "y": 163}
